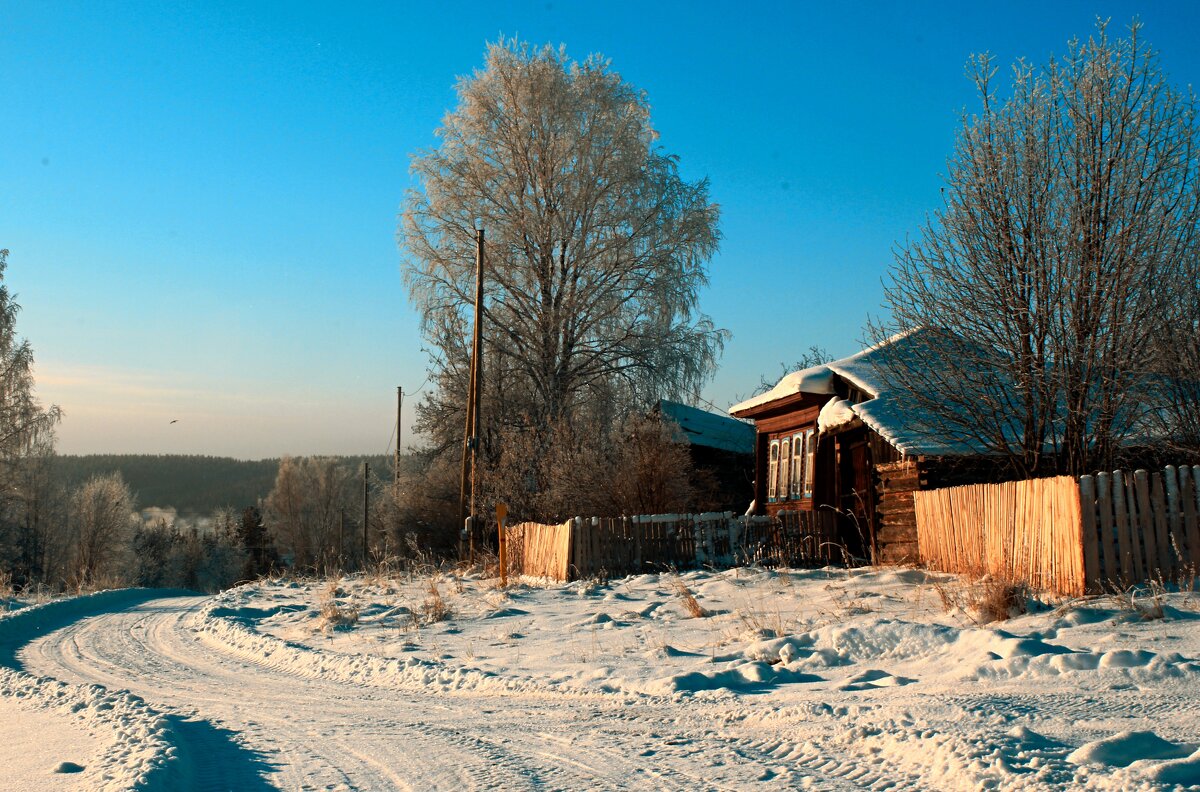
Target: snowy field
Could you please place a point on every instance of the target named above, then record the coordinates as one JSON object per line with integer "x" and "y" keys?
{"x": 826, "y": 679}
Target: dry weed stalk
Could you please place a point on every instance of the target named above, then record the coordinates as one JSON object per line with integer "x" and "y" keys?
{"x": 1000, "y": 600}
{"x": 690, "y": 604}
{"x": 761, "y": 621}
{"x": 985, "y": 599}
{"x": 334, "y": 615}
{"x": 1125, "y": 598}
{"x": 435, "y": 608}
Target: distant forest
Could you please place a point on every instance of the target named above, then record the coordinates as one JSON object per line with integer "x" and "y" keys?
{"x": 191, "y": 484}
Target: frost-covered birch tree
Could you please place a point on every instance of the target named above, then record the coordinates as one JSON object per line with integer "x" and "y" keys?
{"x": 596, "y": 247}
{"x": 101, "y": 526}
{"x": 1069, "y": 219}
{"x": 27, "y": 500}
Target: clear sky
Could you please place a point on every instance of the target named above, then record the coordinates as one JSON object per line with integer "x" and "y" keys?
{"x": 200, "y": 199}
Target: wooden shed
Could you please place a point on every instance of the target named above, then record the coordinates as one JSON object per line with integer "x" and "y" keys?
{"x": 830, "y": 437}
{"x": 722, "y": 452}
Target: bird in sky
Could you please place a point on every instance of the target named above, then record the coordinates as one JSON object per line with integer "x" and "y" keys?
{"x": 175, "y": 420}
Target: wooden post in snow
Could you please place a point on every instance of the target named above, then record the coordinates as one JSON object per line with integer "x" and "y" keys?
{"x": 366, "y": 509}
{"x": 501, "y": 514}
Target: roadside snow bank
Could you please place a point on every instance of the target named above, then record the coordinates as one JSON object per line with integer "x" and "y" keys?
{"x": 139, "y": 753}
{"x": 229, "y": 622}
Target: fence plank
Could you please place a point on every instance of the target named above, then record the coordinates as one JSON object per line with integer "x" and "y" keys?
{"x": 1121, "y": 517}
{"x": 1108, "y": 546}
{"x": 1091, "y": 541}
{"x": 1158, "y": 508}
{"x": 1187, "y": 493}
{"x": 1144, "y": 525}
{"x": 1175, "y": 516}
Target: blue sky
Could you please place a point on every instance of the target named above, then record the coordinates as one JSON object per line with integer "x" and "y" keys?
{"x": 200, "y": 199}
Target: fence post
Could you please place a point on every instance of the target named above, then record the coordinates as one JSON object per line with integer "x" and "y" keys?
{"x": 631, "y": 526}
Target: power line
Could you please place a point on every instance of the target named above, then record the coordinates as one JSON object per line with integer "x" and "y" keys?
{"x": 388, "y": 450}
{"x": 396, "y": 424}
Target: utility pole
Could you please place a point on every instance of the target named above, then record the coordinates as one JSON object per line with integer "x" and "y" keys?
{"x": 477, "y": 391}
{"x": 366, "y": 508}
{"x": 399, "y": 430}
{"x": 471, "y": 432}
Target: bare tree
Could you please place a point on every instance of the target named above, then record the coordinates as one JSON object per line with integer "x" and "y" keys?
{"x": 27, "y": 494}
{"x": 639, "y": 466}
{"x": 304, "y": 510}
{"x": 1176, "y": 419}
{"x": 22, "y": 418}
{"x": 596, "y": 247}
{"x": 1069, "y": 209}
{"x": 102, "y": 524}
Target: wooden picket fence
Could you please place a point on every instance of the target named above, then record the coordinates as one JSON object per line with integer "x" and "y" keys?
{"x": 1140, "y": 526}
{"x": 1021, "y": 530}
{"x": 539, "y": 550}
{"x": 1066, "y": 535}
{"x": 607, "y": 547}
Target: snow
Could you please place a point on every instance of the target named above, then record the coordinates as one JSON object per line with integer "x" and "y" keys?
{"x": 902, "y": 425}
{"x": 816, "y": 380}
{"x": 702, "y": 428}
{"x": 836, "y": 413}
{"x": 74, "y": 736}
{"x": 829, "y": 678}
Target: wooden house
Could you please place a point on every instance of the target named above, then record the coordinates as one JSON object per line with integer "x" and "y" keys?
{"x": 829, "y": 437}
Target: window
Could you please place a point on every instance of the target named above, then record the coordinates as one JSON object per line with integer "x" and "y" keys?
{"x": 810, "y": 456}
{"x": 772, "y": 470}
{"x": 785, "y": 468}
{"x": 797, "y": 486}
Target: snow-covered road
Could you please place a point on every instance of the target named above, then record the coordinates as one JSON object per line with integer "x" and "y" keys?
{"x": 245, "y": 726}
{"x": 870, "y": 679}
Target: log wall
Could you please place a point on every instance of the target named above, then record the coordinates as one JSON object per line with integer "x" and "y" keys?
{"x": 896, "y": 521}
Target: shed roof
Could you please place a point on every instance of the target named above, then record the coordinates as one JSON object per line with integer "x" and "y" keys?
{"x": 704, "y": 428}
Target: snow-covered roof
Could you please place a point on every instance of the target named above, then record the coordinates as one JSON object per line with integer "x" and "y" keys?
{"x": 899, "y": 424}
{"x": 818, "y": 380}
{"x": 704, "y": 428}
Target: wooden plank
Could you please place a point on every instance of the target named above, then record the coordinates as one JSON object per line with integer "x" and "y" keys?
{"x": 1108, "y": 549}
{"x": 890, "y": 535}
{"x": 1145, "y": 526}
{"x": 1089, "y": 537}
{"x": 889, "y": 509}
{"x": 897, "y": 497}
{"x": 1175, "y": 516}
{"x": 1074, "y": 541}
{"x": 1121, "y": 523}
{"x": 1158, "y": 509}
{"x": 1187, "y": 494}
{"x": 899, "y": 553}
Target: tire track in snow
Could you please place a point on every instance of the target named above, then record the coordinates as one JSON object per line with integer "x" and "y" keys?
{"x": 310, "y": 732}
{"x": 323, "y": 734}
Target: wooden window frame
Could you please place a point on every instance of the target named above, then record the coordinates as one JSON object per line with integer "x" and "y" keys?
{"x": 784, "y": 488}
{"x": 772, "y": 470}
{"x": 797, "y": 483}
{"x": 810, "y": 458}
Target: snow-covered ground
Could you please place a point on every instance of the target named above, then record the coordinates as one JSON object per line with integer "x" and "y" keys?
{"x": 834, "y": 679}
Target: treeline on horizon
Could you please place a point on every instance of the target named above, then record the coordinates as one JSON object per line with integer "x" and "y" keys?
{"x": 191, "y": 483}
